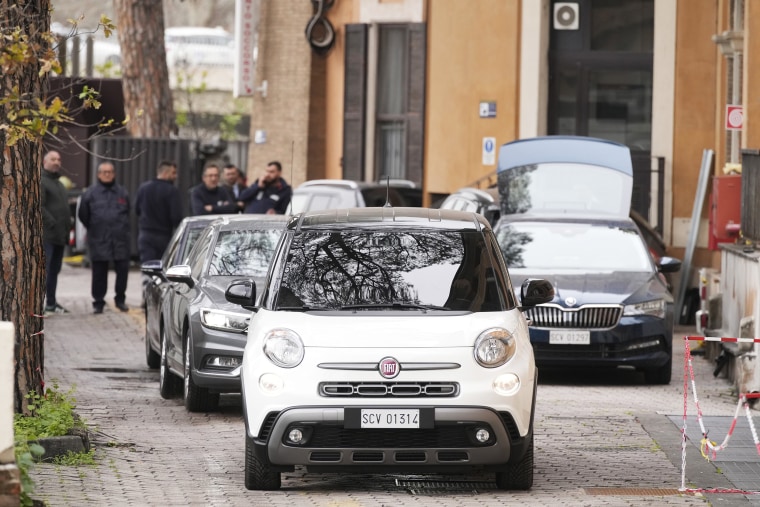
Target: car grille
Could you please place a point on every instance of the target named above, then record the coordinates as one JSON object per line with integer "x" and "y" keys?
{"x": 585, "y": 317}
{"x": 337, "y": 437}
{"x": 389, "y": 389}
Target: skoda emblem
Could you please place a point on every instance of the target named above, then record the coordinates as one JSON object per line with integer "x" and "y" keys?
{"x": 570, "y": 301}
{"x": 389, "y": 367}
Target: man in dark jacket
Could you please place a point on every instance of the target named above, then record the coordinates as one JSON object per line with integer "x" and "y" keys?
{"x": 234, "y": 180}
{"x": 270, "y": 194}
{"x": 159, "y": 212}
{"x": 56, "y": 221}
{"x": 104, "y": 210}
{"x": 209, "y": 198}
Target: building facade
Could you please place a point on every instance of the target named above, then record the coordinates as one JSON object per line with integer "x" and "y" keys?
{"x": 422, "y": 89}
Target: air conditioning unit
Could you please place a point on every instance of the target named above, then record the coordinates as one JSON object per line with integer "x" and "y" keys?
{"x": 566, "y": 15}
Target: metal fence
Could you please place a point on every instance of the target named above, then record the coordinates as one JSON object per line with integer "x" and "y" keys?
{"x": 750, "y": 205}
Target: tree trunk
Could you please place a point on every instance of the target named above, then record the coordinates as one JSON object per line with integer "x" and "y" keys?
{"x": 22, "y": 261}
{"x": 145, "y": 77}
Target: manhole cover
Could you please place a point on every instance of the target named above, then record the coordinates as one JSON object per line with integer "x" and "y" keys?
{"x": 421, "y": 487}
{"x": 634, "y": 491}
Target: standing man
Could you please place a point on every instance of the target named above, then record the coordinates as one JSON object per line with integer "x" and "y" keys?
{"x": 56, "y": 221}
{"x": 270, "y": 194}
{"x": 104, "y": 210}
{"x": 234, "y": 180}
{"x": 159, "y": 212}
{"x": 209, "y": 198}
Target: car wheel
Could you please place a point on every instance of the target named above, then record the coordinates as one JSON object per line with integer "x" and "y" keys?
{"x": 197, "y": 399}
{"x": 168, "y": 383}
{"x": 152, "y": 358}
{"x": 258, "y": 473}
{"x": 659, "y": 375}
{"x": 518, "y": 476}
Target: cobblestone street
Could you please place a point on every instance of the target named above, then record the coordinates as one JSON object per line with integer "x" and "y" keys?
{"x": 602, "y": 438}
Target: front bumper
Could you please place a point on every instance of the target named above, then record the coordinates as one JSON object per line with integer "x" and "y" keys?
{"x": 208, "y": 343}
{"x": 637, "y": 342}
{"x": 448, "y": 444}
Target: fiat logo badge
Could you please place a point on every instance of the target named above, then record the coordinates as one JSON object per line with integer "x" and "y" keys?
{"x": 570, "y": 301}
{"x": 389, "y": 367}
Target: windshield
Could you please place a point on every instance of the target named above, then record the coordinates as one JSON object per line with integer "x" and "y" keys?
{"x": 449, "y": 270}
{"x": 243, "y": 253}
{"x": 572, "y": 246}
{"x": 565, "y": 186}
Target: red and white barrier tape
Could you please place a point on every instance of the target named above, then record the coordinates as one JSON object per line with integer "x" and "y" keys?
{"x": 709, "y": 448}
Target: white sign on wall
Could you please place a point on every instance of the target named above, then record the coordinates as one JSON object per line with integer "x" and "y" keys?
{"x": 245, "y": 42}
{"x": 489, "y": 151}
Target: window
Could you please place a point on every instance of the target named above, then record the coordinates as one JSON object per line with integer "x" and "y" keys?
{"x": 395, "y": 121}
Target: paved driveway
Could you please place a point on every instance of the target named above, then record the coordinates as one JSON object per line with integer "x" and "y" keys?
{"x": 601, "y": 438}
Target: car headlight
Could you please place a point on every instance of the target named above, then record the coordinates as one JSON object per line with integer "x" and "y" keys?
{"x": 283, "y": 347}
{"x": 494, "y": 347}
{"x": 225, "y": 321}
{"x": 654, "y": 308}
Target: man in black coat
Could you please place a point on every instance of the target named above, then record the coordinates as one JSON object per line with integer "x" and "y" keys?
{"x": 56, "y": 223}
{"x": 159, "y": 212}
{"x": 209, "y": 198}
{"x": 104, "y": 210}
{"x": 269, "y": 194}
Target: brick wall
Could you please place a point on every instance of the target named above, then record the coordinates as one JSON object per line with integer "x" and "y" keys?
{"x": 285, "y": 62}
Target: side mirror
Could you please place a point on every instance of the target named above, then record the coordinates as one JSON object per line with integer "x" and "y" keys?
{"x": 180, "y": 274}
{"x": 668, "y": 265}
{"x": 535, "y": 291}
{"x": 153, "y": 268}
{"x": 243, "y": 293}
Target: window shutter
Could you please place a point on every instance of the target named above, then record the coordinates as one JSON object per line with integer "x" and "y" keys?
{"x": 354, "y": 101}
{"x": 416, "y": 101}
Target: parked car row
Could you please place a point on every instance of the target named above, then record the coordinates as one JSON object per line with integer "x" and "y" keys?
{"x": 193, "y": 334}
{"x": 374, "y": 338}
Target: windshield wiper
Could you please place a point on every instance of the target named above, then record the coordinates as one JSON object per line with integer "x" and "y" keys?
{"x": 305, "y": 308}
{"x": 394, "y": 305}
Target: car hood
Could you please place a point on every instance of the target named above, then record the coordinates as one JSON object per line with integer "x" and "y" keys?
{"x": 615, "y": 287}
{"x": 393, "y": 329}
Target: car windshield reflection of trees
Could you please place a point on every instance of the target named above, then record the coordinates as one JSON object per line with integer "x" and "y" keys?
{"x": 388, "y": 270}
{"x": 243, "y": 253}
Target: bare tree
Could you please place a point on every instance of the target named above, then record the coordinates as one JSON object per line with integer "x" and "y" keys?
{"x": 145, "y": 76}
{"x": 24, "y": 31}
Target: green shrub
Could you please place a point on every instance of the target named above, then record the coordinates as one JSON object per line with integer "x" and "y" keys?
{"x": 50, "y": 415}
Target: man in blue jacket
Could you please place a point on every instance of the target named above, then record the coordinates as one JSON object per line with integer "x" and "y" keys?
{"x": 104, "y": 210}
{"x": 270, "y": 194}
{"x": 159, "y": 212}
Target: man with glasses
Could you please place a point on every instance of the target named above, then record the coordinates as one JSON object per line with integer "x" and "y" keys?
{"x": 209, "y": 198}
{"x": 104, "y": 210}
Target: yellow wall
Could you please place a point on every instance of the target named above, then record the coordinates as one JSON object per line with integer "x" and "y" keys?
{"x": 342, "y": 13}
{"x": 695, "y": 98}
{"x": 473, "y": 56}
{"x": 752, "y": 75}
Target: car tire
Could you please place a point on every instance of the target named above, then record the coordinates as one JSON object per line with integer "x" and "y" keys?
{"x": 661, "y": 375}
{"x": 258, "y": 473}
{"x": 197, "y": 399}
{"x": 518, "y": 476}
{"x": 152, "y": 358}
{"x": 168, "y": 383}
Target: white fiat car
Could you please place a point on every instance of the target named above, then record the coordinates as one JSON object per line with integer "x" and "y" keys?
{"x": 388, "y": 340}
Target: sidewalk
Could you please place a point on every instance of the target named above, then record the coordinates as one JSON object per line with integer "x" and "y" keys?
{"x": 602, "y": 438}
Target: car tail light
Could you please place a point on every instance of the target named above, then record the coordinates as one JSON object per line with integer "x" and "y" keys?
{"x": 704, "y": 320}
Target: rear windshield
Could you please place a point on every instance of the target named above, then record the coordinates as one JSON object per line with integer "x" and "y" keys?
{"x": 439, "y": 270}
